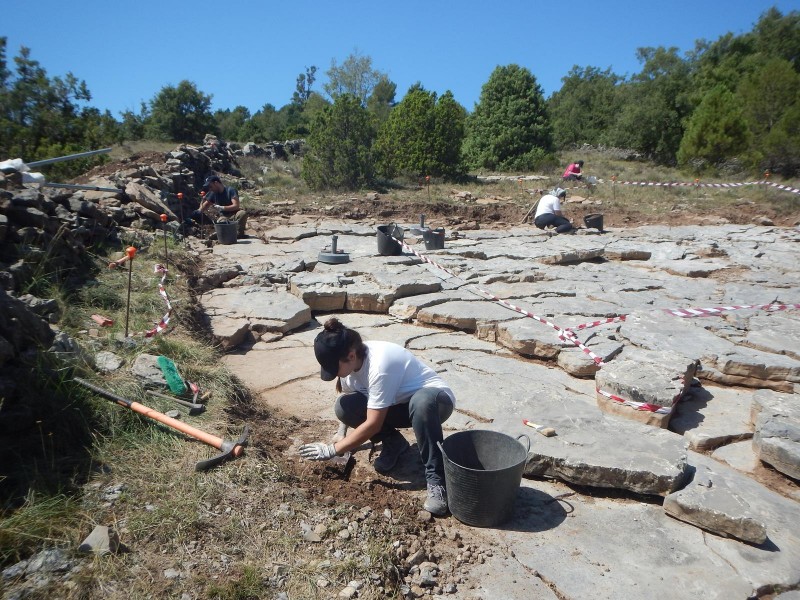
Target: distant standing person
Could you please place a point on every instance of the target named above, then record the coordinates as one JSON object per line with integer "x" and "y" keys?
{"x": 385, "y": 387}
{"x": 573, "y": 172}
{"x": 548, "y": 212}
{"x": 226, "y": 201}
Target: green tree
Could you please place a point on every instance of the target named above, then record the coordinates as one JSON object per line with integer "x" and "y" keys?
{"x": 777, "y": 35}
{"x": 43, "y": 117}
{"x": 781, "y": 147}
{"x": 355, "y": 76}
{"x": 654, "y": 105}
{"x": 339, "y": 147}
{"x": 717, "y": 129}
{"x": 181, "y": 113}
{"x": 768, "y": 93}
{"x": 134, "y": 125}
{"x": 381, "y": 100}
{"x": 230, "y": 123}
{"x": 423, "y": 135}
{"x": 509, "y": 128}
{"x": 303, "y": 85}
{"x": 266, "y": 125}
{"x": 585, "y": 107}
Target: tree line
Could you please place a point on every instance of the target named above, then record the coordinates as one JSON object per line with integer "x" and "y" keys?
{"x": 728, "y": 105}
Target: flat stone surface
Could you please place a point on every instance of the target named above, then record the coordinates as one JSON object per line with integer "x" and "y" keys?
{"x": 710, "y": 417}
{"x": 271, "y": 309}
{"x": 776, "y": 418}
{"x": 711, "y": 502}
{"x": 500, "y": 379}
{"x": 657, "y": 378}
{"x": 738, "y": 455}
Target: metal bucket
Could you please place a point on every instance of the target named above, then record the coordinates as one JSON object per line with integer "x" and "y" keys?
{"x": 595, "y": 220}
{"x": 482, "y": 472}
{"x": 387, "y": 245}
{"x": 434, "y": 238}
{"x": 227, "y": 232}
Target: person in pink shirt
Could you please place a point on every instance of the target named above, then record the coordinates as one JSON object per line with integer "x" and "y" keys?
{"x": 573, "y": 172}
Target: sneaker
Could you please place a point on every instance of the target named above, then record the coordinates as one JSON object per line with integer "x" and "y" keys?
{"x": 392, "y": 446}
{"x": 436, "y": 502}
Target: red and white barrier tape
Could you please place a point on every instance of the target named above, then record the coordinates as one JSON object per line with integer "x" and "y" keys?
{"x": 785, "y": 188}
{"x": 661, "y": 410}
{"x": 164, "y": 322}
{"x": 703, "y": 312}
{"x": 597, "y": 323}
{"x": 563, "y": 334}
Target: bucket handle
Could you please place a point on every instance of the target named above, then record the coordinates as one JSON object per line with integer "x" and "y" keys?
{"x": 441, "y": 449}
{"x": 393, "y": 229}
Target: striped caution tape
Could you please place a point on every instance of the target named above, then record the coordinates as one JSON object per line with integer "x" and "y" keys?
{"x": 164, "y": 322}
{"x": 715, "y": 310}
{"x": 567, "y": 334}
{"x": 591, "y": 324}
{"x": 661, "y": 410}
{"x": 785, "y": 188}
{"x": 562, "y": 333}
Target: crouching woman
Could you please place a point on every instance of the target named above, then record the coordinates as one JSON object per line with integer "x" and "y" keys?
{"x": 385, "y": 388}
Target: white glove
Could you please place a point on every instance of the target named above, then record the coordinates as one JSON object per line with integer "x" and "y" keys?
{"x": 317, "y": 451}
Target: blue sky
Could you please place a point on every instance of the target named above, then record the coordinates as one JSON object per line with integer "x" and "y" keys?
{"x": 250, "y": 53}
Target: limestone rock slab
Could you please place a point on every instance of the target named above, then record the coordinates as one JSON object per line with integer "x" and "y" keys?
{"x": 263, "y": 308}
{"x": 710, "y": 417}
{"x": 465, "y": 316}
{"x": 710, "y": 502}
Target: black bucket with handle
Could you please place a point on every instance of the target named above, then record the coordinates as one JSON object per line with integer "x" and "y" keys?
{"x": 433, "y": 238}
{"x": 594, "y": 220}
{"x": 482, "y": 472}
{"x": 226, "y": 231}
{"x": 387, "y": 244}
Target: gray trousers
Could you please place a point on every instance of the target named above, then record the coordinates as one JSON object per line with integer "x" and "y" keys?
{"x": 425, "y": 412}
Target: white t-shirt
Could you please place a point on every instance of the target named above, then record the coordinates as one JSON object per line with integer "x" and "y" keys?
{"x": 548, "y": 205}
{"x": 390, "y": 375}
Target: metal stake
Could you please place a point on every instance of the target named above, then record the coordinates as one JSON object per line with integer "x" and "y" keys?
{"x": 164, "y": 221}
{"x": 131, "y": 252}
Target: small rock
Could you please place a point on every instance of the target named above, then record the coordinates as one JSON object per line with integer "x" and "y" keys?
{"x": 348, "y": 592}
{"x": 101, "y": 541}
{"x": 172, "y": 573}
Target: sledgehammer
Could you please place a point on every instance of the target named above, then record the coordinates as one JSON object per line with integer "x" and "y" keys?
{"x": 229, "y": 449}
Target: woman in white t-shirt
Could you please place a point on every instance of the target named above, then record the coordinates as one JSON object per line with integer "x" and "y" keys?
{"x": 385, "y": 387}
{"x": 548, "y": 212}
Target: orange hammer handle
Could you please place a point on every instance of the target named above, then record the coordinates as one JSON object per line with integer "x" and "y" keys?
{"x": 207, "y": 438}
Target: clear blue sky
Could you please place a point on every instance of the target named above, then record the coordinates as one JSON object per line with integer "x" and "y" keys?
{"x": 250, "y": 53}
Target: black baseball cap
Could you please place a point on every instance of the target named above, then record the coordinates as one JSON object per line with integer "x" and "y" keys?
{"x": 329, "y": 347}
{"x": 209, "y": 180}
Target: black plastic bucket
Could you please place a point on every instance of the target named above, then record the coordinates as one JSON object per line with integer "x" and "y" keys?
{"x": 434, "y": 238}
{"x": 482, "y": 472}
{"x": 595, "y": 220}
{"x": 387, "y": 245}
{"x": 227, "y": 232}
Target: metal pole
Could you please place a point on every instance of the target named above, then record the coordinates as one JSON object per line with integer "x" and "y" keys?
{"x": 49, "y": 161}
{"x": 164, "y": 221}
{"x": 131, "y": 252}
{"x": 73, "y": 186}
